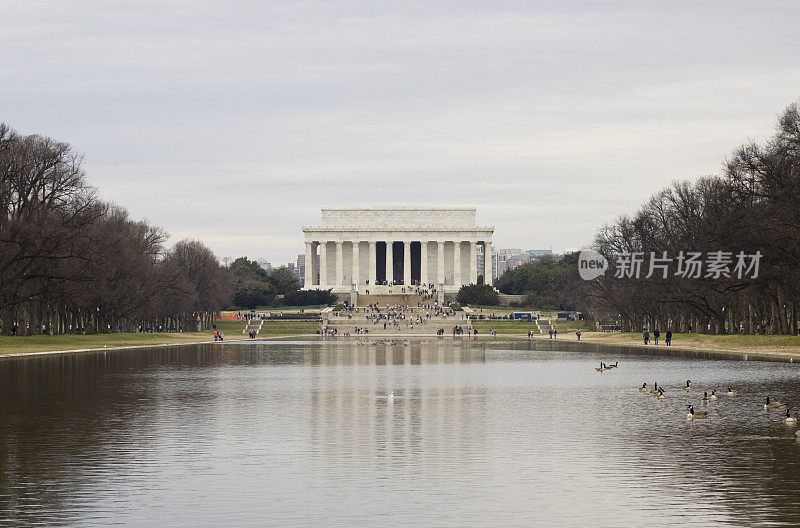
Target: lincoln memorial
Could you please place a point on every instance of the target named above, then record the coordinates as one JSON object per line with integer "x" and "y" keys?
{"x": 381, "y": 250}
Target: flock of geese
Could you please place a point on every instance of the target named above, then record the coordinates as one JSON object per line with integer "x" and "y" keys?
{"x": 697, "y": 414}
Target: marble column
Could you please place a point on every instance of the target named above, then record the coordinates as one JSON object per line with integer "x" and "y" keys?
{"x": 487, "y": 262}
{"x": 309, "y": 271}
{"x": 323, "y": 265}
{"x": 373, "y": 265}
{"x": 423, "y": 262}
{"x": 440, "y": 262}
{"x": 407, "y": 263}
{"x": 356, "y": 264}
{"x": 389, "y": 262}
{"x": 339, "y": 264}
{"x": 457, "y": 263}
{"x": 473, "y": 262}
{"x": 314, "y": 263}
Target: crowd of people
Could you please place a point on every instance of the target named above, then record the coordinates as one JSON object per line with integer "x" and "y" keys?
{"x": 247, "y": 316}
{"x": 396, "y": 318}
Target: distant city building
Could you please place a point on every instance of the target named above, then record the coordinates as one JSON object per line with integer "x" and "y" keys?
{"x": 301, "y": 268}
{"x": 264, "y": 264}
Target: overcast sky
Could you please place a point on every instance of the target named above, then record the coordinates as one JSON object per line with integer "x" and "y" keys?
{"x": 234, "y": 122}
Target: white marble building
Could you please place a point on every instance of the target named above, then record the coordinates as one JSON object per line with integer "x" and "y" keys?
{"x": 381, "y": 250}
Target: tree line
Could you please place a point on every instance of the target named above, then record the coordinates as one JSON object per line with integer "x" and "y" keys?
{"x": 255, "y": 287}
{"x": 72, "y": 263}
{"x": 543, "y": 282}
{"x": 751, "y": 208}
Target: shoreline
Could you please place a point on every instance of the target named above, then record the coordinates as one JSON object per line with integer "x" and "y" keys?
{"x": 765, "y": 352}
{"x": 149, "y": 345}
{"x": 710, "y": 351}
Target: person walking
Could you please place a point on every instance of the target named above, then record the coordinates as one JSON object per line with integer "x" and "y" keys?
{"x": 668, "y": 338}
{"x": 656, "y": 335}
{"x": 646, "y": 336}
{"x": 578, "y": 333}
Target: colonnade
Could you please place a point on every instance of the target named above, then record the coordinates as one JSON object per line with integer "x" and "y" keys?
{"x": 344, "y": 262}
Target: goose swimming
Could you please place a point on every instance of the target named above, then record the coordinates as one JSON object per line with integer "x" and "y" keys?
{"x": 789, "y": 418}
{"x": 773, "y": 405}
{"x": 602, "y": 366}
{"x": 696, "y": 415}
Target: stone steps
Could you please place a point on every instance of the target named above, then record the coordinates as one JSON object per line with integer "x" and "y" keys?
{"x": 253, "y": 325}
{"x": 544, "y": 325}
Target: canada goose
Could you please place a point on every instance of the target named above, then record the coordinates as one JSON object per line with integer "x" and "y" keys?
{"x": 602, "y": 366}
{"x": 615, "y": 365}
{"x": 789, "y": 418}
{"x": 654, "y": 392}
{"x": 688, "y": 386}
{"x": 661, "y": 395}
{"x": 773, "y": 405}
{"x": 713, "y": 396}
{"x": 696, "y": 415}
{"x": 730, "y": 392}
{"x": 704, "y": 399}
{"x": 643, "y": 388}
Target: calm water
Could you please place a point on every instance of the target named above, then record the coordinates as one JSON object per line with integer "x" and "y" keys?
{"x": 487, "y": 434}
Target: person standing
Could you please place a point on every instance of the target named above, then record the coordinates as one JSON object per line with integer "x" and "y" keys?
{"x": 668, "y": 338}
{"x": 656, "y": 335}
{"x": 578, "y": 333}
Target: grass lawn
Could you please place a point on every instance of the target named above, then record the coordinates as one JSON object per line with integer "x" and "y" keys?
{"x": 278, "y": 328}
{"x": 45, "y": 343}
{"x": 735, "y": 342}
{"x": 231, "y": 329}
{"x": 505, "y": 327}
{"x": 749, "y": 344}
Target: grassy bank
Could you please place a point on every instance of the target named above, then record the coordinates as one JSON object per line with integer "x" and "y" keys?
{"x": 231, "y": 329}
{"x": 771, "y": 345}
{"x": 747, "y": 344}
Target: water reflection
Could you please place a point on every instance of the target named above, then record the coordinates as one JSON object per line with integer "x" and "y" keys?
{"x": 523, "y": 433}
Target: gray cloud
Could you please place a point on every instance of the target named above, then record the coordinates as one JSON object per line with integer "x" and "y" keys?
{"x": 234, "y": 122}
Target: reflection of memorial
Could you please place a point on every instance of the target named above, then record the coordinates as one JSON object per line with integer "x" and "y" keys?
{"x": 350, "y": 415}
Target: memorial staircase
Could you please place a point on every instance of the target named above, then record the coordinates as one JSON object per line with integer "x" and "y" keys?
{"x": 253, "y": 325}
{"x": 545, "y": 325}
